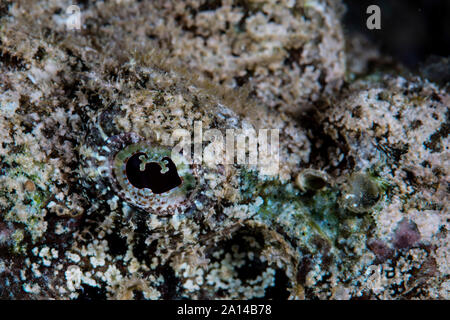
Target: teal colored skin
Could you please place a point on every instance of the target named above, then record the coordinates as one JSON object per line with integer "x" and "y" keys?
{"x": 308, "y": 216}
{"x": 35, "y": 199}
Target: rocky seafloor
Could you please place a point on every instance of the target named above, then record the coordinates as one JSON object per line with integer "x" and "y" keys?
{"x": 358, "y": 208}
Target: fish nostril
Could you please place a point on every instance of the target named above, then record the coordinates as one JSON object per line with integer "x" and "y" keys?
{"x": 152, "y": 176}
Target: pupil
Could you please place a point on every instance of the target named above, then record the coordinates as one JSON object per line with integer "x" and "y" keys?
{"x": 152, "y": 178}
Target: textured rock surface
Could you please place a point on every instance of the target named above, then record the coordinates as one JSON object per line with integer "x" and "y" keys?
{"x": 373, "y": 224}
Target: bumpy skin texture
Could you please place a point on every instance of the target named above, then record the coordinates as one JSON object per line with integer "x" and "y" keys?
{"x": 71, "y": 100}
{"x": 289, "y": 52}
